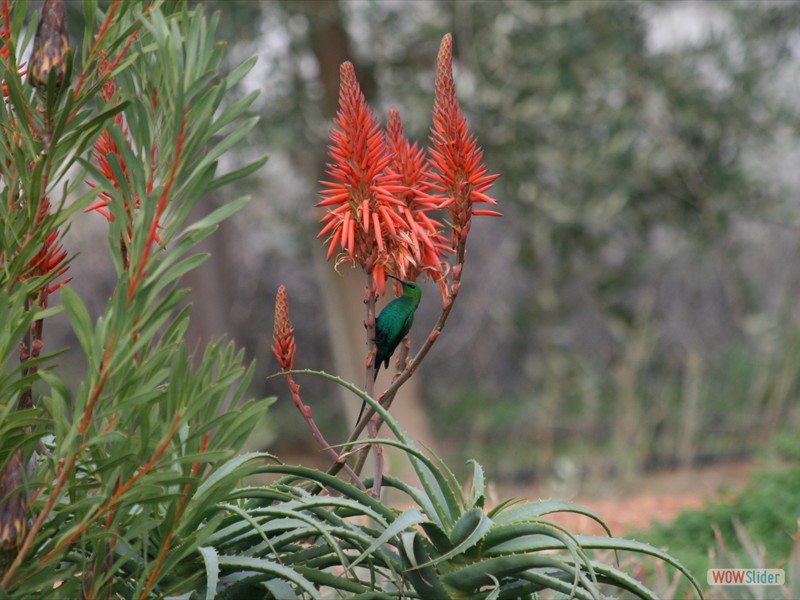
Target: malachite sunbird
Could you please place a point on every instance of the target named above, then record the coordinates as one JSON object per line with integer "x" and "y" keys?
{"x": 392, "y": 325}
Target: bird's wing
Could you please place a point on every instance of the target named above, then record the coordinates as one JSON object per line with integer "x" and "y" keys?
{"x": 380, "y": 337}
{"x": 381, "y": 341}
{"x": 406, "y": 326}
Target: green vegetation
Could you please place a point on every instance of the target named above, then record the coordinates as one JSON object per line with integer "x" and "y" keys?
{"x": 754, "y": 528}
{"x": 130, "y": 484}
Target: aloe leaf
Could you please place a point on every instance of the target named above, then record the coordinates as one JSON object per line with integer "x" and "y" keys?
{"x": 405, "y": 521}
{"x": 211, "y": 562}
{"x": 598, "y": 542}
{"x": 479, "y": 574}
{"x": 416, "y": 494}
{"x": 422, "y": 576}
{"x": 529, "y": 511}
{"x": 466, "y": 533}
{"x": 477, "y": 493}
{"x": 527, "y": 536}
{"x": 270, "y": 567}
{"x": 232, "y": 468}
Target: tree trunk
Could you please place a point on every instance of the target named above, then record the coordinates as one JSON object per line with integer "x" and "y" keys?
{"x": 344, "y": 292}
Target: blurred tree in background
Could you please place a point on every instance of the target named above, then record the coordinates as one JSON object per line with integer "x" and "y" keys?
{"x": 634, "y": 308}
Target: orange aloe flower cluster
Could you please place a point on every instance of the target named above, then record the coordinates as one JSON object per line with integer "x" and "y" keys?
{"x": 428, "y": 245}
{"x": 383, "y": 191}
{"x": 364, "y": 222}
{"x": 459, "y": 175}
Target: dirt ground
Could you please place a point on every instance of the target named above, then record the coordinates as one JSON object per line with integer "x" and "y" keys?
{"x": 663, "y": 495}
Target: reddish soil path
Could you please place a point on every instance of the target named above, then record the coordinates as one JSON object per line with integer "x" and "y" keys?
{"x": 659, "y": 497}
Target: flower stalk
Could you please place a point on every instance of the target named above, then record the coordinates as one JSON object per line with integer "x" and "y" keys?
{"x": 284, "y": 348}
{"x": 382, "y": 199}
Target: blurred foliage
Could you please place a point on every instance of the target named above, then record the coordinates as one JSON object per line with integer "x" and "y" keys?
{"x": 646, "y": 152}
{"x": 766, "y": 511}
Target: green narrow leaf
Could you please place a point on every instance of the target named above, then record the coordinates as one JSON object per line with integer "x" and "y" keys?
{"x": 467, "y": 532}
{"x": 416, "y": 494}
{"x": 237, "y": 174}
{"x": 211, "y": 562}
{"x": 477, "y": 493}
{"x": 426, "y": 581}
{"x": 468, "y": 525}
{"x": 220, "y": 214}
{"x": 263, "y": 565}
{"x": 230, "y": 468}
{"x": 622, "y": 581}
{"x": 229, "y": 141}
{"x": 79, "y": 319}
{"x": 532, "y": 511}
{"x": 405, "y": 521}
{"x": 232, "y": 112}
{"x": 240, "y": 71}
{"x": 445, "y": 508}
{"x": 278, "y": 588}
{"x": 608, "y": 543}
{"x": 476, "y": 575}
{"x": 178, "y": 270}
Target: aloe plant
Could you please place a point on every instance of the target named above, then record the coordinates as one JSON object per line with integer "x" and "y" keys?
{"x": 289, "y": 540}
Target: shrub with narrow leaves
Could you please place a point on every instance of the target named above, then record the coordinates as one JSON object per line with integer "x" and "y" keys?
{"x": 108, "y": 489}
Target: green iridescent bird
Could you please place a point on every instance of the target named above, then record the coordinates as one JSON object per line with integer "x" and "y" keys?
{"x": 392, "y": 325}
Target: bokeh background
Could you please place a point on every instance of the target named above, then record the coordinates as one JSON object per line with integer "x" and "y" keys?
{"x": 634, "y": 310}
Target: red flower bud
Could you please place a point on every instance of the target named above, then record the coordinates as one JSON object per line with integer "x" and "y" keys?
{"x": 283, "y": 335}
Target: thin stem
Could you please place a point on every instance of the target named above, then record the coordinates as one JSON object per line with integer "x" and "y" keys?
{"x": 388, "y": 396}
{"x": 181, "y": 504}
{"x": 112, "y": 502}
{"x": 371, "y": 296}
{"x": 305, "y": 410}
{"x": 369, "y": 324}
{"x": 37, "y": 524}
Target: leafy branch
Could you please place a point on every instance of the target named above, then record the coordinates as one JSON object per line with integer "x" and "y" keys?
{"x": 134, "y": 444}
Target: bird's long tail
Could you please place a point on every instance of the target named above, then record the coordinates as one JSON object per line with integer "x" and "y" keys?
{"x": 364, "y": 404}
